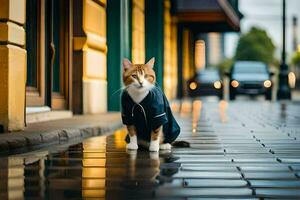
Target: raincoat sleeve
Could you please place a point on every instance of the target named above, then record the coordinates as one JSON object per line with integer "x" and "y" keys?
{"x": 127, "y": 117}
{"x": 158, "y": 110}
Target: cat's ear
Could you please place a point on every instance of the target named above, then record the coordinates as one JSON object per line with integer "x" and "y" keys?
{"x": 126, "y": 64}
{"x": 150, "y": 63}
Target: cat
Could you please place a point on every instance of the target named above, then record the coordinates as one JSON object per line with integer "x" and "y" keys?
{"x": 145, "y": 109}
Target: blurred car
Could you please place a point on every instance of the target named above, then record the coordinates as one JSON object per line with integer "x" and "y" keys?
{"x": 250, "y": 78}
{"x": 206, "y": 83}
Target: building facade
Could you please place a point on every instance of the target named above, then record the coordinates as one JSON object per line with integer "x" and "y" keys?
{"x": 66, "y": 55}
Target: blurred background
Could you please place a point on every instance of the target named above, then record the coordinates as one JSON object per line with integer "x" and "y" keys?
{"x": 267, "y": 16}
{"x": 66, "y": 55}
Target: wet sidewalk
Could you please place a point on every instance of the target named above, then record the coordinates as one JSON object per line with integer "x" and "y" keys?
{"x": 57, "y": 131}
{"x": 238, "y": 150}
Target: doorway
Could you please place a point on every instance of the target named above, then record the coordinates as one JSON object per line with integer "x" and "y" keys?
{"x": 48, "y": 45}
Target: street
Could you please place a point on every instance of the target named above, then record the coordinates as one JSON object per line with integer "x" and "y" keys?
{"x": 239, "y": 150}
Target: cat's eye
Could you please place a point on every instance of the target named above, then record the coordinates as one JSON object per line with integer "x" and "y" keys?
{"x": 146, "y": 76}
{"x": 134, "y": 76}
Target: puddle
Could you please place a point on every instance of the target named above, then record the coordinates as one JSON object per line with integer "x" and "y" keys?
{"x": 98, "y": 167}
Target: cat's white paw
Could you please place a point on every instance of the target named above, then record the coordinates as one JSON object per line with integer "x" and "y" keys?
{"x": 154, "y": 145}
{"x": 132, "y": 146}
{"x": 165, "y": 146}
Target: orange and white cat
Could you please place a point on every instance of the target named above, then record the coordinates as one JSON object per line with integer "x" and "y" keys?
{"x": 145, "y": 109}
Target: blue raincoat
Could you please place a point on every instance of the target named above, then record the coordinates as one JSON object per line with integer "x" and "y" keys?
{"x": 152, "y": 112}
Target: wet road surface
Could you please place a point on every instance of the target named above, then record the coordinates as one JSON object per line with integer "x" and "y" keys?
{"x": 239, "y": 150}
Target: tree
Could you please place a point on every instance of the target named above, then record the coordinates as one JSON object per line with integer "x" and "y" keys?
{"x": 255, "y": 45}
{"x": 225, "y": 65}
{"x": 296, "y": 58}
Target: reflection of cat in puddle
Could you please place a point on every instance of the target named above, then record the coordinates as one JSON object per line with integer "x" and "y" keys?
{"x": 150, "y": 169}
{"x": 143, "y": 166}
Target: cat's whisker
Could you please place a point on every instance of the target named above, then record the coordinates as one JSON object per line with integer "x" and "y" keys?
{"x": 119, "y": 90}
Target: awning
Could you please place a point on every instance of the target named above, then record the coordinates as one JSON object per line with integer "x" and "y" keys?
{"x": 207, "y": 15}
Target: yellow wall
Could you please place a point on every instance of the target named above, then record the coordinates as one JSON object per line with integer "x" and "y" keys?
{"x": 187, "y": 55}
{"x": 174, "y": 64}
{"x": 170, "y": 52}
{"x": 94, "y": 57}
{"x": 167, "y": 50}
{"x": 12, "y": 64}
{"x": 138, "y": 31}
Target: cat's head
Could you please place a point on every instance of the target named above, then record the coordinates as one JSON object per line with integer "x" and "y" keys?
{"x": 138, "y": 77}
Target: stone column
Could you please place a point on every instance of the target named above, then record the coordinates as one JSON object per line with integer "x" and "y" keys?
{"x": 89, "y": 56}
{"x": 12, "y": 64}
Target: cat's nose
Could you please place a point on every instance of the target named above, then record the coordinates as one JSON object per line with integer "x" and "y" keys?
{"x": 141, "y": 83}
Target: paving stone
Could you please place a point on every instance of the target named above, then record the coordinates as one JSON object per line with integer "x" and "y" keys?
{"x": 198, "y": 152}
{"x": 199, "y": 192}
{"x": 239, "y": 141}
{"x": 288, "y": 151}
{"x": 222, "y": 183}
{"x": 33, "y": 139}
{"x": 204, "y": 142}
{"x": 16, "y": 141}
{"x": 240, "y": 198}
{"x": 275, "y": 183}
{"x": 71, "y": 133}
{"x": 269, "y": 175}
{"x": 283, "y": 146}
{"x": 265, "y": 168}
{"x": 278, "y": 193}
{"x": 295, "y": 167}
{"x": 50, "y": 136}
{"x": 86, "y": 132}
{"x": 289, "y": 160}
{"x": 251, "y": 156}
{"x": 206, "y": 146}
{"x": 255, "y": 160}
{"x": 186, "y": 167}
{"x": 200, "y": 137}
{"x": 246, "y": 151}
{"x": 208, "y": 174}
{"x": 242, "y": 146}
{"x": 202, "y": 160}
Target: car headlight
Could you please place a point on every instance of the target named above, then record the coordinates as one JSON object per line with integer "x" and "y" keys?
{"x": 217, "y": 84}
{"x": 193, "y": 85}
{"x": 267, "y": 83}
{"x": 235, "y": 83}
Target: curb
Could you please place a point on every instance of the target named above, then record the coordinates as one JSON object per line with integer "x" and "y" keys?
{"x": 21, "y": 141}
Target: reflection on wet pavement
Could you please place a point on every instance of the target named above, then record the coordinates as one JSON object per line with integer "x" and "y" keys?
{"x": 99, "y": 167}
{"x": 238, "y": 150}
